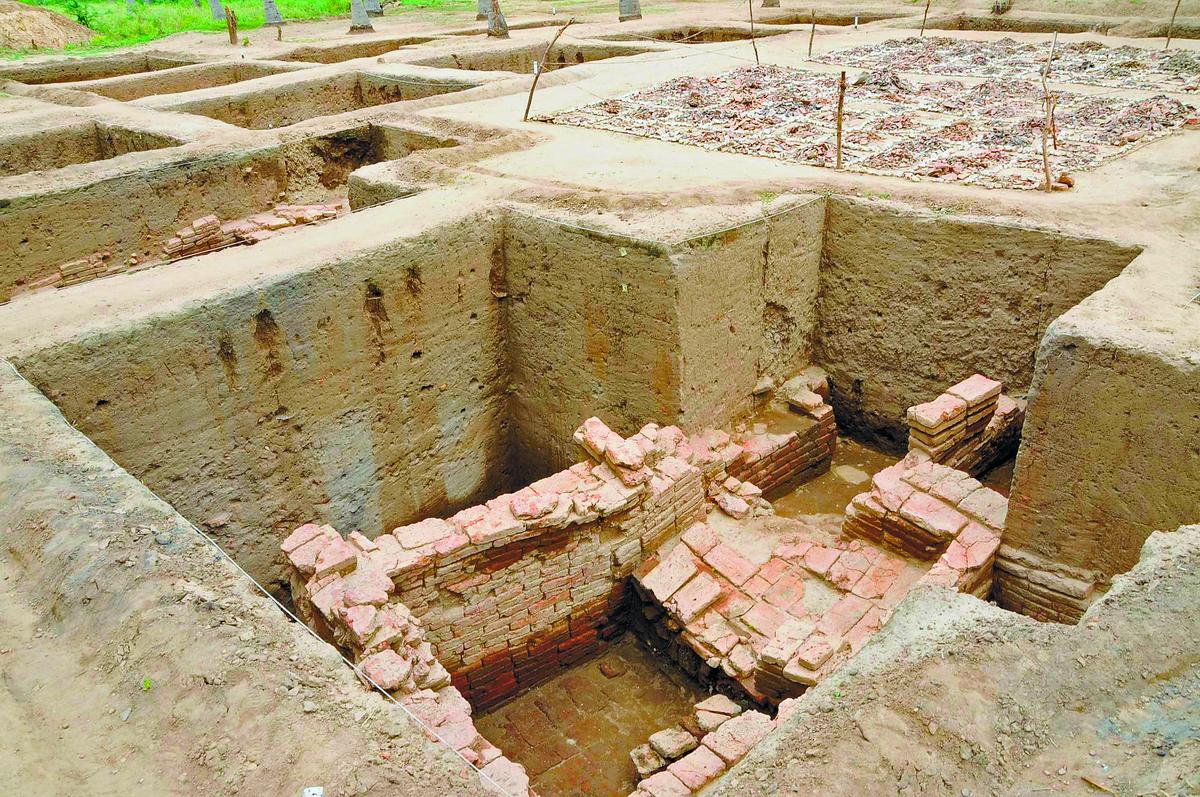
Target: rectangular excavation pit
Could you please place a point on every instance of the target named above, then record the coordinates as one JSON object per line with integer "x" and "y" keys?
{"x": 136, "y": 215}
{"x": 179, "y": 79}
{"x": 825, "y": 18}
{"x": 521, "y": 60}
{"x": 84, "y": 141}
{"x": 380, "y": 384}
{"x": 358, "y": 49}
{"x": 1019, "y": 24}
{"x": 92, "y": 68}
{"x": 295, "y": 102}
{"x": 694, "y": 35}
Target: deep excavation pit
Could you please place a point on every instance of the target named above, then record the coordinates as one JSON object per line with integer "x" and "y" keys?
{"x": 178, "y": 79}
{"x": 521, "y": 60}
{"x": 84, "y": 141}
{"x": 695, "y": 35}
{"x": 768, "y": 17}
{"x": 345, "y": 52}
{"x": 73, "y": 69}
{"x": 135, "y": 218}
{"x": 401, "y": 385}
{"x": 297, "y": 101}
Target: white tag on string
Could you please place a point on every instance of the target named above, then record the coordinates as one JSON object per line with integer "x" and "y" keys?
{"x": 856, "y": 23}
{"x": 537, "y": 68}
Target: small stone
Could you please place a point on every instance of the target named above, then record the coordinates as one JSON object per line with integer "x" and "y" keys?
{"x": 309, "y": 706}
{"x": 646, "y": 760}
{"x": 673, "y": 743}
{"x": 612, "y": 668}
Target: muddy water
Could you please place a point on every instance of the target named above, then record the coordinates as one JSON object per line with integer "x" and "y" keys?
{"x": 849, "y": 474}
{"x": 573, "y": 734}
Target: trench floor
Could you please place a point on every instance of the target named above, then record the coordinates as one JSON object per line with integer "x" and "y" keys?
{"x": 849, "y": 474}
{"x": 573, "y": 734}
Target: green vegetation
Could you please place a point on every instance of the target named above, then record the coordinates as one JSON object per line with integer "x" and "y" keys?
{"x": 116, "y": 25}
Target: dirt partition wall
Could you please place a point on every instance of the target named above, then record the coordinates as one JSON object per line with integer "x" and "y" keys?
{"x": 747, "y": 309}
{"x": 168, "y": 653}
{"x": 912, "y": 302}
{"x": 366, "y": 393}
{"x": 1111, "y": 452}
{"x": 592, "y": 330}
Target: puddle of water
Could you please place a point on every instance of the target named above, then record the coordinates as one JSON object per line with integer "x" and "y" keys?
{"x": 830, "y": 492}
{"x": 573, "y": 734}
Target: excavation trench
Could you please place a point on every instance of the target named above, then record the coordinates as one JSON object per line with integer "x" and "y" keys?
{"x": 93, "y": 68}
{"x": 695, "y": 35}
{"x": 134, "y": 217}
{"x": 80, "y": 142}
{"x": 298, "y": 101}
{"x": 179, "y": 79}
{"x": 521, "y": 60}
{"x": 347, "y": 52}
{"x": 424, "y": 378}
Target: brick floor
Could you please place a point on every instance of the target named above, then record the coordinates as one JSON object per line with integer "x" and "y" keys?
{"x": 573, "y": 734}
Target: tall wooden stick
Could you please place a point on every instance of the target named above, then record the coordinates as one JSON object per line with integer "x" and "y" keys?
{"x": 1047, "y": 97}
{"x": 924, "y": 17}
{"x": 753, "y": 43}
{"x": 841, "y": 103}
{"x": 541, "y": 68}
{"x": 231, "y": 25}
{"x": 1045, "y": 148}
{"x": 1171, "y": 27}
{"x": 812, "y": 32}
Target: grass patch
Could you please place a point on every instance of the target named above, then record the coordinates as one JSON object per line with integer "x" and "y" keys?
{"x": 118, "y": 25}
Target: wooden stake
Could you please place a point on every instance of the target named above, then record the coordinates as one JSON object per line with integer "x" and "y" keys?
{"x": 231, "y": 25}
{"x": 812, "y": 32}
{"x": 1045, "y": 147}
{"x": 841, "y": 103}
{"x": 1048, "y": 99}
{"x": 753, "y": 43}
{"x": 542, "y": 67}
{"x": 1171, "y": 26}
{"x": 924, "y": 17}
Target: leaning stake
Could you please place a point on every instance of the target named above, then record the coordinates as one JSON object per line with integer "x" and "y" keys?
{"x": 812, "y": 32}
{"x": 924, "y": 17}
{"x": 1171, "y": 26}
{"x": 541, "y": 66}
{"x": 841, "y": 103}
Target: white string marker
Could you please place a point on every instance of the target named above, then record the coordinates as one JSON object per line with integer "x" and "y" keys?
{"x": 537, "y": 68}
{"x": 856, "y": 23}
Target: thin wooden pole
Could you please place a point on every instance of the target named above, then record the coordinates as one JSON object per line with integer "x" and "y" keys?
{"x": 1171, "y": 26}
{"x": 924, "y": 17}
{"x": 812, "y": 32}
{"x": 753, "y": 43}
{"x": 1047, "y": 97}
{"x": 1046, "y": 149}
{"x": 542, "y": 67}
{"x": 840, "y": 105}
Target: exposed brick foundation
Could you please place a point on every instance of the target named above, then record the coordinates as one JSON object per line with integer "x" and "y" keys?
{"x": 1042, "y": 589}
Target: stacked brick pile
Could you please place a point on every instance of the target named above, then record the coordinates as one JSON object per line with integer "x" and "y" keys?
{"x": 971, "y": 426}
{"x": 202, "y": 235}
{"x": 100, "y": 264}
{"x": 347, "y": 598}
{"x": 931, "y": 511}
{"x": 686, "y": 758}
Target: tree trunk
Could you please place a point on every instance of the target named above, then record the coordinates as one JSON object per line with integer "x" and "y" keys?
{"x": 482, "y": 9}
{"x": 271, "y": 13}
{"x": 359, "y": 21}
{"x": 215, "y": 7}
{"x": 497, "y": 24}
{"x": 629, "y": 9}
{"x": 374, "y": 9}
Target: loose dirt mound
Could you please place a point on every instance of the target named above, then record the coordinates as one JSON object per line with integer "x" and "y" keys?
{"x": 23, "y": 26}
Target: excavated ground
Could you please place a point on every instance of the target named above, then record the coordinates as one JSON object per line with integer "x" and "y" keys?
{"x": 498, "y": 283}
